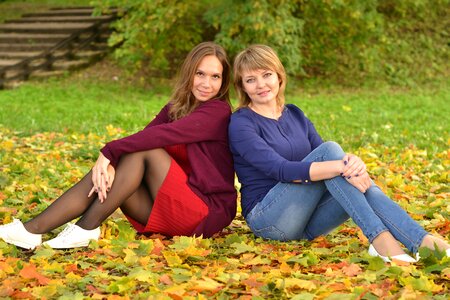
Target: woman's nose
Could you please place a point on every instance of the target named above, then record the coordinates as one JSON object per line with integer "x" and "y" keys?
{"x": 206, "y": 81}
{"x": 260, "y": 82}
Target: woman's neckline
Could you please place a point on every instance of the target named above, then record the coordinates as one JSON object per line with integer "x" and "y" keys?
{"x": 273, "y": 116}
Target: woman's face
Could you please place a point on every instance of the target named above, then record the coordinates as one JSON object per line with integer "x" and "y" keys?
{"x": 261, "y": 86}
{"x": 207, "y": 78}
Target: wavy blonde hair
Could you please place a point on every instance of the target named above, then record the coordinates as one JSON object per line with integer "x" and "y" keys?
{"x": 183, "y": 101}
{"x": 257, "y": 57}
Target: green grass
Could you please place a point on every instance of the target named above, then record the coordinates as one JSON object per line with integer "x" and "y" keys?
{"x": 352, "y": 118}
{"x": 80, "y": 106}
{"x": 393, "y": 118}
{"x": 37, "y": 168}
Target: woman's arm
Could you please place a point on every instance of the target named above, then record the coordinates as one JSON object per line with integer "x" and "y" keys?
{"x": 207, "y": 122}
{"x": 161, "y": 118}
{"x": 330, "y": 169}
{"x": 326, "y": 169}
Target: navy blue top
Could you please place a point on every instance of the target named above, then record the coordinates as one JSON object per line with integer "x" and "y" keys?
{"x": 268, "y": 151}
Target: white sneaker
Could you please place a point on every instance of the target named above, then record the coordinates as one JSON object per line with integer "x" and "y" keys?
{"x": 16, "y": 234}
{"x": 400, "y": 257}
{"x": 73, "y": 236}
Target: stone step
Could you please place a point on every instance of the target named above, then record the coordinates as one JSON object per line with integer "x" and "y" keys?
{"x": 11, "y": 84}
{"x": 18, "y": 55}
{"x": 25, "y": 47}
{"x": 10, "y": 73}
{"x": 32, "y": 38}
{"x": 24, "y": 41}
{"x": 59, "y": 19}
{"x": 71, "y": 7}
{"x": 90, "y": 54}
{"x": 27, "y": 54}
{"x": 8, "y": 62}
{"x": 67, "y": 12}
{"x": 17, "y": 47}
{"x": 44, "y": 27}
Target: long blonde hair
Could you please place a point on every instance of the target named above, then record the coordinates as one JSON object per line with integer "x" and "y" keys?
{"x": 183, "y": 101}
{"x": 257, "y": 57}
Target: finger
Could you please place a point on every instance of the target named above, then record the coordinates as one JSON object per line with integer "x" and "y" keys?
{"x": 110, "y": 182}
{"x": 361, "y": 168}
{"x": 361, "y": 187}
{"x": 356, "y": 172}
{"x": 91, "y": 192}
{"x": 346, "y": 159}
{"x": 102, "y": 187}
{"x": 356, "y": 184}
{"x": 99, "y": 179}
{"x": 366, "y": 181}
{"x": 354, "y": 167}
{"x": 105, "y": 174}
{"x": 94, "y": 175}
{"x": 349, "y": 165}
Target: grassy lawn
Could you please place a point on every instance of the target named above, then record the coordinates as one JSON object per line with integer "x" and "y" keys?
{"x": 50, "y": 132}
{"x": 353, "y": 118}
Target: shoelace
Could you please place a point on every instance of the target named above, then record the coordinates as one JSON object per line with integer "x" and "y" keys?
{"x": 69, "y": 228}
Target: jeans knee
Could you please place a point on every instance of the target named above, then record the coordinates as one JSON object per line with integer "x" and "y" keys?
{"x": 334, "y": 150}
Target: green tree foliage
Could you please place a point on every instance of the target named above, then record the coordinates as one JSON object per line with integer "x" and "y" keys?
{"x": 156, "y": 33}
{"x": 347, "y": 41}
{"x": 273, "y": 22}
{"x": 340, "y": 35}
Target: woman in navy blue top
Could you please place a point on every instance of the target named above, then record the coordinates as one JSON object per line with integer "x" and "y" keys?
{"x": 294, "y": 185}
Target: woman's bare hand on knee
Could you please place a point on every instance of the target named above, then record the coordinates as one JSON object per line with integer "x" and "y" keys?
{"x": 354, "y": 166}
{"x": 101, "y": 177}
{"x": 111, "y": 176}
{"x": 362, "y": 182}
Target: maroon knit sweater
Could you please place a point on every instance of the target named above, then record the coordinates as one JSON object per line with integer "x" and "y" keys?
{"x": 205, "y": 134}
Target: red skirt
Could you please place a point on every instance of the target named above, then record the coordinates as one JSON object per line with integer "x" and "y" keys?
{"x": 177, "y": 210}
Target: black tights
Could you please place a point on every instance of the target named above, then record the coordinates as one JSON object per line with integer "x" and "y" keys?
{"x": 137, "y": 181}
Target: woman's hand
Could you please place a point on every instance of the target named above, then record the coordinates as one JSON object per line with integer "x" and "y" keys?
{"x": 353, "y": 166}
{"x": 102, "y": 177}
{"x": 362, "y": 182}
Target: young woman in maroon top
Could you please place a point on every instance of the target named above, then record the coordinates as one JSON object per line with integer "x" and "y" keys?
{"x": 174, "y": 177}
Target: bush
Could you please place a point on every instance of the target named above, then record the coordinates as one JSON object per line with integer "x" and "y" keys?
{"x": 345, "y": 41}
{"x": 341, "y": 36}
{"x": 272, "y": 22}
{"x": 156, "y": 34}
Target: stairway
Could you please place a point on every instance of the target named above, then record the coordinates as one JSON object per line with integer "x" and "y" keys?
{"x": 52, "y": 42}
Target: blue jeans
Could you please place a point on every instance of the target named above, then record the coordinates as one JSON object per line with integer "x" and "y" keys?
{"x": 292, "y": 211}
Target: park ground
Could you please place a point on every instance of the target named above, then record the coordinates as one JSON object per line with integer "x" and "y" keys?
{"x": 50, "y": 133}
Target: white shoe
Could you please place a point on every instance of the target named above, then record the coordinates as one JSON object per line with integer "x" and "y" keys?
{"x": 400, "y": 257}
{"x": 73, "y": 236}
{"x": 16, "y": 234}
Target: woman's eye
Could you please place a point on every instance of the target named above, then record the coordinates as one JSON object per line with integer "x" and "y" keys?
{"x": 267, "y": 74}
{"x": 198, "y": 73}
{"x": 216, "y": 76}
{"x": 250, "y": 80}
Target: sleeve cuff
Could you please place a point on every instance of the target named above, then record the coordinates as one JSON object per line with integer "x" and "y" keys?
{"x": 302, "y": 174}
{"x": 107, "y": 153}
